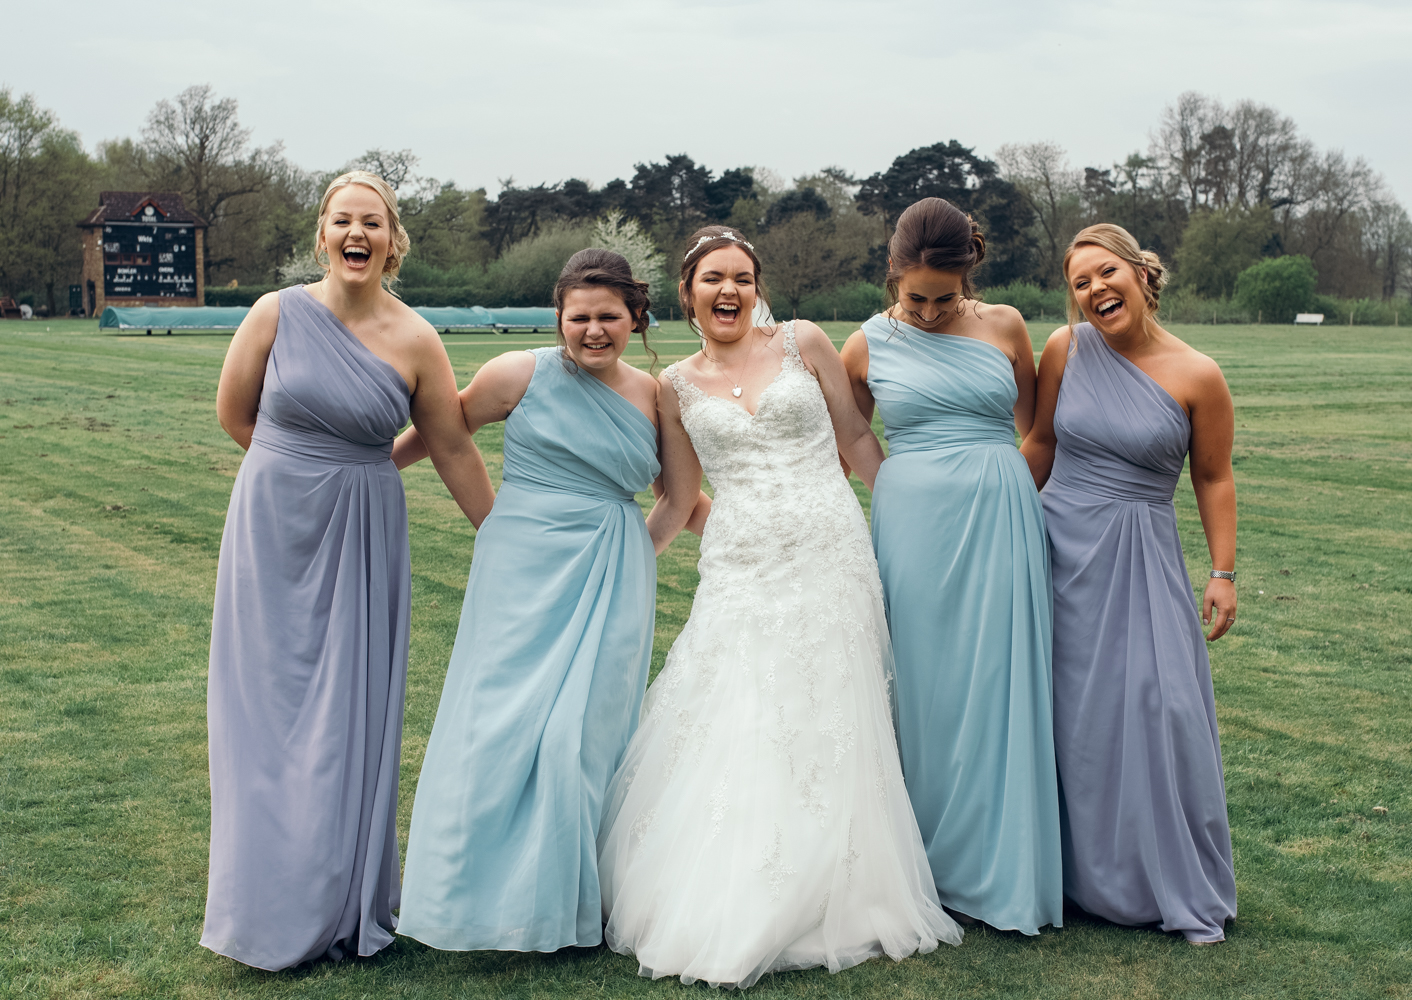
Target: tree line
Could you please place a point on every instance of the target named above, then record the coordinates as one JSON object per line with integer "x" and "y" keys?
{"x": 1220, "y": 189}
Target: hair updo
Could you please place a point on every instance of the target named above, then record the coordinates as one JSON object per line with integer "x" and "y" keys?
{"x": 698, "y": 245}
{"x": 600, "y": 268}
{"x": 1119, "y": 242}
{"x": 400, "y": 243}
{"x": 934, "y": 233}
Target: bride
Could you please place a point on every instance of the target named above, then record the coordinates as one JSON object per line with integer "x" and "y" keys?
{"x": 758, "y": 821}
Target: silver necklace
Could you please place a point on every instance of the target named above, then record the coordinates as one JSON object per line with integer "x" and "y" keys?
{"x": 750, "y": 354}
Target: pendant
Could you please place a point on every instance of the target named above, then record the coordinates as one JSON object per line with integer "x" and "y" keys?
{"x": 736, "y": 392}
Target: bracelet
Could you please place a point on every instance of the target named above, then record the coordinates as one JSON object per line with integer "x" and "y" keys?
{"x": 1220, "y": 574}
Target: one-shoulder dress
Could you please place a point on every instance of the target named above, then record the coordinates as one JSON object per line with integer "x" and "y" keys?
{"x": 309, "y": 657}
{"x": 545, "y": 680}
{"x": 1146, "y": 836}
{"x": 961, "y": 547}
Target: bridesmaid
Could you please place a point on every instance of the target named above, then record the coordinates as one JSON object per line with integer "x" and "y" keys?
{"x": 551, "y": 658}
{"x": 961, "y": 548}
{"x": 309, "y": 635}
{"x": 1122, "y": 403}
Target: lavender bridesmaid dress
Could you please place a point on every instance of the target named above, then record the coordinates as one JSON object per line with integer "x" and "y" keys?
{"x": 1144, "y": 828}
{"x": 309, "y": 657}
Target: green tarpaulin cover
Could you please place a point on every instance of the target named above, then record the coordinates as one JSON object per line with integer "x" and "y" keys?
{"x": 230, "y": 317}
{"x": 157, "y": 318}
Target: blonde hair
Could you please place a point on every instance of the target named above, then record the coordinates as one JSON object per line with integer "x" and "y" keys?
{"x": 1117, "y": 240}
{"x": 401, "y": 242}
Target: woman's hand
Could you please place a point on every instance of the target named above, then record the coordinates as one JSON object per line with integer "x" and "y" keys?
{"x": 1218, "y": 605}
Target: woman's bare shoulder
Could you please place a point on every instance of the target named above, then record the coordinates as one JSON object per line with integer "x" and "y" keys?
{"x": 637, "y": 378}
{"x": 1193, "y": 364}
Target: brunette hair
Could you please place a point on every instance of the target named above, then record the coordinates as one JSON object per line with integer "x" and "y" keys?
{"x": 599, "y": 268}
{"x": 1119, "y": 242}
{"x": 400, "y": 244}
{"x": 934, "y": 233}
{"x": 698, "y": 245}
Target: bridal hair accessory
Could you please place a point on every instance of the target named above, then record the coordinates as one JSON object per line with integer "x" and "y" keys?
{"x": 707, "y": 239}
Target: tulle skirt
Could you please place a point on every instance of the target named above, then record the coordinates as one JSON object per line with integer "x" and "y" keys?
{"x": 759, "y": 820}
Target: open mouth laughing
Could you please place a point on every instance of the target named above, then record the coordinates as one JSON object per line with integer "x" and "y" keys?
{"x": 357, "y": 257}
{"x": 1110, "y": 307}
{"x": 725, "y": 312}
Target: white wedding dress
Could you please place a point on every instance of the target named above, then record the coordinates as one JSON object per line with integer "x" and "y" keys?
{"x": 759, "y": 821}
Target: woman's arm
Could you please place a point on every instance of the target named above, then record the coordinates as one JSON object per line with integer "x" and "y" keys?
{"x": 243, "y": 373}
{"x": 1017, "y": 335}
{"x": 681, "y": 473}
{"x": 696, "y": 523}
{"x": 1039, "y": 444}
{"x": 1213, "y": 482}
{"x": 855, "y": 363}
{"x": 496, "y": 389}
{"x": 856, "y": 441}
{"x": 436, "y": 415}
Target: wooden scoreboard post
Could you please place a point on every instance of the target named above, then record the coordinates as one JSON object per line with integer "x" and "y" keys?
{"x": 142, "y": 249}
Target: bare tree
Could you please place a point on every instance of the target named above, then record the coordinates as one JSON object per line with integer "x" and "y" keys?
{"x": 197, "y": 145}
{"x": 393, "y": 166}
{"x": 1178, "y": 143}
{"x": 1041, "y": 173}
{"x": 1338, "y": 189}
{"x": 806, "y": 255}
{"x": 1264, "y": 143}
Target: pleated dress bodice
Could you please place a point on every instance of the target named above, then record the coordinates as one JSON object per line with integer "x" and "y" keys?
{"x": 326, "y": 396}
{"x": 1119, "y": 434}
{"x": 938, "y": 391}
{"x": 552, "y": 443}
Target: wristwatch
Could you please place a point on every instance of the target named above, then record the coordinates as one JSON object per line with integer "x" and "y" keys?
{"x": 1220, "y": 574}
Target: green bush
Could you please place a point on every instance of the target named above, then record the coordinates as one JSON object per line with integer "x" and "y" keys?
{"x": 1217, "y": 246}
{"x": 417, "y": 273}
{"x": 853, "y": 302}
{"x": 1361, "y": 312}
{"x": 442, "y": 295}
{"x": 524, "y": 275}
{"x": 1182, "y": 305}
{"x": 1275, "y": 289}
{"x": 245, "y": 295}
{"x": 1032, "y": 301}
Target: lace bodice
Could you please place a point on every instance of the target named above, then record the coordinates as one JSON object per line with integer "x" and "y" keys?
{"x": 779, "y": 489}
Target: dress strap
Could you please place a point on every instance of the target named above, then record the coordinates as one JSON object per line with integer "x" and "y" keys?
{"x": 687, "y": 393}
{"x": 791, "y": 348}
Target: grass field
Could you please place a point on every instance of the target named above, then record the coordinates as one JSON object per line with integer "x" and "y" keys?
{"x": 114, "y": 480}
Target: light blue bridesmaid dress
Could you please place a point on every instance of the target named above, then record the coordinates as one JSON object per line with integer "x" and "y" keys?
{"x": 961, "y": 547}
{"x": 1146, "y": 836}
{"x": 545, "y": 681}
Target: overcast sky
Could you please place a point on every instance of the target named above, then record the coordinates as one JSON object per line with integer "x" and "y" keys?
{"x": 542, "y": 91}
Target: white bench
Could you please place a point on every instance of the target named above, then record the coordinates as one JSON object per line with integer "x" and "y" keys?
{"x": 1314, "y": 319}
